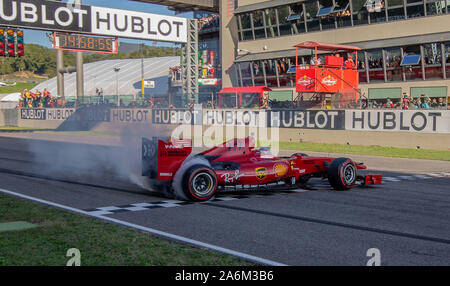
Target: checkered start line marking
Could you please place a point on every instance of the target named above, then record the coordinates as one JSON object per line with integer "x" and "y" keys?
{"x": 415, "y": 177}
{"x": 176, "y": 203}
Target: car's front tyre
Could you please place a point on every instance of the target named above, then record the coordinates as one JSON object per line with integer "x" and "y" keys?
{"x": 342, "y": 174}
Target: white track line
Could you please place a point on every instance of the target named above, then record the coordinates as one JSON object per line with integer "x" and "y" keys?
{"x": 153, "y": 231}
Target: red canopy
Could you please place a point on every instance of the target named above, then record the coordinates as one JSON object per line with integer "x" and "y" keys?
{"x": 245, "y": 89}
{"x": 326, "y": 47}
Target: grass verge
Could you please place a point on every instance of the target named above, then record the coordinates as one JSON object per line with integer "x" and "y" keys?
{"x": 15, "y": 128}
{"x": 100, "y": 243}
{"x": 369, "y": 150}
{"x": 19, "y": 87}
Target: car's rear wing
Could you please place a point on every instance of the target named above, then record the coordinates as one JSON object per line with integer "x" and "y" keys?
{"x": 161, "y": 157}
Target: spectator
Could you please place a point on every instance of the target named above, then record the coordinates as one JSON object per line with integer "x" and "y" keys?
{"x": 405, "y": 101}
{"x": 434, "y": 103}
{"x": 389, "y": 103}
{"x": 441, "y": 103}
{"x": 425, "y": 101}
{"x": 349, "y": 63}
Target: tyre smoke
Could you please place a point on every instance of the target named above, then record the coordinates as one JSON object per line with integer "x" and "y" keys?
{"x": 119, "y": 163}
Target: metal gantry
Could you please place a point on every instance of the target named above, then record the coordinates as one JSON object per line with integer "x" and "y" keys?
{"x": 189, "y": 62}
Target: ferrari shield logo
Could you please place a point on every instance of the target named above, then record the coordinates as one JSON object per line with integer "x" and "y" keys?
{"x": 261, "y": 173}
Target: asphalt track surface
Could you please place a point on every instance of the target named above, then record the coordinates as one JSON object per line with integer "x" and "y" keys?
{"x": 407, "y": 218}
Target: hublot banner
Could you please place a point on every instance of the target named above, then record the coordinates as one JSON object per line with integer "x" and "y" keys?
{"x": 430, "y": 121}
{"x": 425, "y": 121}
{"x": 308, "y": 119}
{"x": 68, "y": 17}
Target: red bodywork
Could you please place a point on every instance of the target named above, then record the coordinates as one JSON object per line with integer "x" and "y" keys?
{"x": 237, "y": 162}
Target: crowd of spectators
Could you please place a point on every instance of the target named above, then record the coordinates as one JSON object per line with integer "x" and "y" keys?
{"x": 208, "y": 23}
{"x": 37, "y": 99}
{"x": 375, "y": 63}
{"x": 408, "y": 102}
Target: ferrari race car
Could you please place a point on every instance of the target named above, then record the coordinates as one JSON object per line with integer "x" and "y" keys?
{"x": 172, "y": 169}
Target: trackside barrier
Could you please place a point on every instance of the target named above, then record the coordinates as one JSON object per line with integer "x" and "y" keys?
{"x": 412, "y": 121}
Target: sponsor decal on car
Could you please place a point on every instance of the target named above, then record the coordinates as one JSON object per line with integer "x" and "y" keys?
{"x": 174, "y": 146}
{"x": 280, "y": 169}
{"x": 232, "y": 177}
{"x": 261, "y": 173}
{"x": 292, "y": 165}
{"x": 329, "y": 80}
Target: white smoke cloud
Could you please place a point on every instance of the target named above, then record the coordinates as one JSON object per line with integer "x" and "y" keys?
{"x": 92, "y": 162}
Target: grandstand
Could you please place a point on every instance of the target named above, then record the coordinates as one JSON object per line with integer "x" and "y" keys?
{"x": 101, "y": 76}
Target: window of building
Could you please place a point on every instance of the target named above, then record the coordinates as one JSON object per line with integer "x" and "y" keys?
{"x": 375, "y": 61}
{"x": 374, "y": 6}
{"x": 377, "y": 10}
{"x": 245, "y": 74}
{"x": 250, "y": 100}
{"x": 271, "y": 22}
{"x": 361, "y": 66}
{"x": 342, "y": 13}
{"x": 312, "y": 21}
{"x": 247, "y": 35}
{"x": 326, "y": 15}
{"x": 414, "y": 8}
{"x": 296, "y": 12}
{"x": 414, "y": 70}
{"x": 435, "y": 7}
{"x": 393, "y": 59}
{"x": 271, "y": 67}
{"x": 447, "y": 58}
{"x": 297, "y": 18}
{"x": 360, "y": 13}
{"x": 258, "y": 24}
{"x": 285, "y": 77}
{"x": 395, "y": 10}
{"x": 285, "y": 24}
{"x": 258, "y": 73}
{"x": 245, "y": 21}
{"x": 246, "y": 32}
{"x": 228, "y": 100}
{"x": 433, "y": 61}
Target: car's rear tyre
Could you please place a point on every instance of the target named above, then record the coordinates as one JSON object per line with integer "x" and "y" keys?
{"x": 342, "y": 174}
{"x": 199, "y": 183}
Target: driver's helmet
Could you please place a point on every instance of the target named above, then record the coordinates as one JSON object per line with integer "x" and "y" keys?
{"x": 265, "y": 152}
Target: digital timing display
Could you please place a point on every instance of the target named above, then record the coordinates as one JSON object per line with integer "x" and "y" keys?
{"x": 74, "y": 42}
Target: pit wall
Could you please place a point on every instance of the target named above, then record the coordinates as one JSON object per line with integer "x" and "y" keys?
{"x": 426, "y": 129}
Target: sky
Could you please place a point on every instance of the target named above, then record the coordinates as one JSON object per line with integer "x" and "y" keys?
{"x": 40, "y": 38}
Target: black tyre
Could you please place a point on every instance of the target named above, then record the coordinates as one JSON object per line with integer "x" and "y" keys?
{"x": 342, "y": 174}
{"x": 199, "y": 183}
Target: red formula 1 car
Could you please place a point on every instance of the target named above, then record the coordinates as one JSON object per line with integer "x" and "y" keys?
{"x": 237, "y": 163}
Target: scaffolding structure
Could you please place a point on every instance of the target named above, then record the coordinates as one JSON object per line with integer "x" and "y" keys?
{"x": 189, "y": 62}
